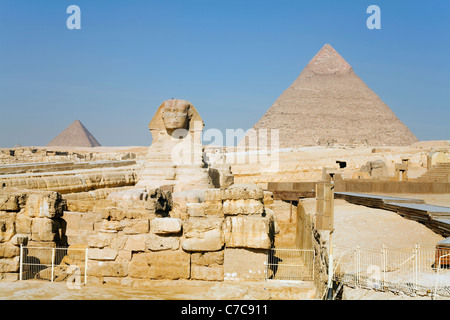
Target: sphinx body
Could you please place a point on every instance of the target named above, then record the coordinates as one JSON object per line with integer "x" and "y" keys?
{"x": 175, "y": 157}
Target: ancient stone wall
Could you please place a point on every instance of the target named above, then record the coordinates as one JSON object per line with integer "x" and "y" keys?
{"x": 71, "y": 181}
{"x": 33, "y": 218}
{"x": 135, "y": 236}
{"x": 39, "y": 154}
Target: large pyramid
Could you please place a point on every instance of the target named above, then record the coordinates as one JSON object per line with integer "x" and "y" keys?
{"x": 75, "y": 135}
{"x": 329, "y": 104}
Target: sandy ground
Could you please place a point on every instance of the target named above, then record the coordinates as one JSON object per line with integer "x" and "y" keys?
{"x": 159, "y": 290}
{"x": 371, "y": 228}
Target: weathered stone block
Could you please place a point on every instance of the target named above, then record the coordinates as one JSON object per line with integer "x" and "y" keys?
{"x": 207, "y": 273}
{"x": 158, "y": 243}
{"x": 99, "y": 240}
{"x": 247, "y": 232}
{"x": 213, "y": 195}
{"x": 213, "y": 208}
{"x": 45, "y": 204}
{"x": 44, "y": 229}
{"x": 106, "y": 254}
{"x": 111, "y": 226}
{"x": 8, "y": 250}
{"x": 136, "y": 243}
{"x": 170, "y": 265}
{"x": 108, "y": 269}
{"x": 165, "y": 225}
{"x": 9, "y": 265}
{"x": 244, "y": 264}
{"x": 23, "y": 224}
{"x": 207, "y": 266}
{"x": 136, "y": 226}
{"x": 9, "y": 202}
{"x": 242, "y": 206}
{"x": 243, "y": 191}
{"x": 195, "y": 210}
{"x": 7, "y": 226}
{"x": 203, "y": 234}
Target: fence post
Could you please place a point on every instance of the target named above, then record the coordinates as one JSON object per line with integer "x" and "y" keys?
{"x": 53, "y": 262}
{"x": 417, "y": 267}
{"x": 21, "y": 262}
{"x": 358, "y": 256}
{"x": 384, "y": 265}
{"x": 85, "y": 266}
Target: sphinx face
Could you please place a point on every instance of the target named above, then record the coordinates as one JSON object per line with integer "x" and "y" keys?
{"x": 175, "y": 115}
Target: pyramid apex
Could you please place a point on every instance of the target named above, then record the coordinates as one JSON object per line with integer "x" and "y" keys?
{"x": 328, "y": 61}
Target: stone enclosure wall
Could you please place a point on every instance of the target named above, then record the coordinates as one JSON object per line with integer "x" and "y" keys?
{"x": 134, "y": 236}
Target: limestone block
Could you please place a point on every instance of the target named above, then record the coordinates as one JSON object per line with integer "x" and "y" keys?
{"x": 44, "y": 229}
{"x": 242, "y": 206}
{"x": 213, "y": 208}
{"x": 247, "y": 232}
{"x": 100, "y": 240}
{"x": 106, "y": 254}
{"x": 7, "y": 226}
{"x": 23, "y": 224}
{"x": 136, "y": 243}
{"x": 213, "y": 194}
{"x": 170, "y": 265}
{"x": 245, "y": 264}
{"x": 9, "y": 202}
{"x": 118, "y": 241}
{"x": 163, "y": 242}
{"x": 165, "y": 225}
{"x": 72, "y": 220}
{"x": 243, "y": 191}
{"x": 108, "y": 269}
{"x": 9, "y": 265}
{"x": 136, "y": 226}
{"x": 111, "y": 226}
{"x": 207, "y": 266}
{"x": 181, "y": 199}
{"x": 203, "y": 234}
{"x": 195, "y": 210}
{"x": 45, "y": 204}
{"x": 88, "y": 219}
{"x": 8, "y": 250}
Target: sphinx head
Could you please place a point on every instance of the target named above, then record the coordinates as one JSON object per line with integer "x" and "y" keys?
{"x": 176, "y": 115}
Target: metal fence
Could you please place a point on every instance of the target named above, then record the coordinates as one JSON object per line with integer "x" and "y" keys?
{"x": 413, "y": 271}
{"x": 290, "y": 264}
{"x": 53, "y": 264}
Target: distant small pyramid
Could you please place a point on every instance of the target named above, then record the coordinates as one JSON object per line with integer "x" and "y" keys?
{"x": 75, "y": 135}
{"x": 329, "y": 103}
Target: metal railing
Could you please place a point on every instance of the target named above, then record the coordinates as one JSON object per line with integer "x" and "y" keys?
{"x": 53, "y": 264}
{"x": 290, "y": 264}
{"x": 413, "y": 271}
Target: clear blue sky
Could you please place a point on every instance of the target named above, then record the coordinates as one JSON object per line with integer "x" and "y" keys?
{"x": 231, "y": 59}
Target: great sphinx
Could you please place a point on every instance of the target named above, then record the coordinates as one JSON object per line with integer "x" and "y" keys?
{"x": 175, "y": 157}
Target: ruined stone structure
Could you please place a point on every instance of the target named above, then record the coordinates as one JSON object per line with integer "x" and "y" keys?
{"x": 133, "y": 238}
{"x": 329, "y": 104}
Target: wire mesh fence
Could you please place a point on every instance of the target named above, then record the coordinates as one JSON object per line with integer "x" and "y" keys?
{"x": 412, "y": 271}
{"x": 290, "y": 264}
{"x": 53, "y": 264}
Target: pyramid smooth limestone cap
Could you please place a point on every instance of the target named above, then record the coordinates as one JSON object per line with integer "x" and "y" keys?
{"x": 327, "y": 62}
